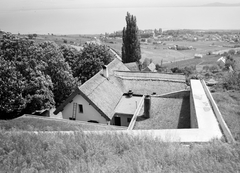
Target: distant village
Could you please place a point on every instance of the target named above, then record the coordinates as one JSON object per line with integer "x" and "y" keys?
{"x": 159, "y": 35}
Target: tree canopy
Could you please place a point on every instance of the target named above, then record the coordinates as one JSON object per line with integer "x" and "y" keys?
{"x": 131, "y": 51}
{"x": 91, "y": 60}
{"x": 36, "y": 76}
{"x": 33, "y": 76}
{"x": 24, "y": 85}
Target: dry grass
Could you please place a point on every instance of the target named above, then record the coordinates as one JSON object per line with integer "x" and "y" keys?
{"x": 41, "y": 124}
{"x": 228, "y": 103}
{"x": 111, "y": 153}
{"x": 166, "y": 113}
{"x": 161, "y": 52}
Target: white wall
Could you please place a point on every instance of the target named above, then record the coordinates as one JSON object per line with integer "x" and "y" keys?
{"x": 193, "y": 118}
{"x": 89, "y": 112}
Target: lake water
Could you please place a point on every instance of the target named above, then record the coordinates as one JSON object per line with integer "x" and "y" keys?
{"x": 101, "y": 20}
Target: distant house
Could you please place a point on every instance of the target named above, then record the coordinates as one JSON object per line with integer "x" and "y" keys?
{"x": 112, "y": 95}
{"x": 198, "y": 56}
{"x": 150, "y": 68}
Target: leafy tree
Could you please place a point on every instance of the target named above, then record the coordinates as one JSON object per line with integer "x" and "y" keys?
{"x": 230, "y": 61}
{"x": 59, "y": 71}
{"x": 24, "y": 88}
{"x": 131, "y": 51}
{"x": 70, "y": 54}
{"x": 91, "y": 60}
{"x": 35, "y": 35}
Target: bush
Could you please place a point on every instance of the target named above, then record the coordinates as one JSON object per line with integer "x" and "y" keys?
{"x": 232, "y": 81}
{"x": 177, "y": 70}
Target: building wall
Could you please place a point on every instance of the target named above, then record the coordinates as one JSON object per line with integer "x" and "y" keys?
{"x": 124, "y": 118}
{"x": 89, "y": 112}
{"x": 193, "y": 118}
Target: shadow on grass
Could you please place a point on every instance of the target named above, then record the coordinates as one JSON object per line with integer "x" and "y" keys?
{"x": 141, "y": 118}
{"x": 184, "y": 117}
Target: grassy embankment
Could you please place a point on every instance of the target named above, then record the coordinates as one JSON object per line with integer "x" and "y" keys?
{"x": 111, "y": 153}
{"x": 166, "y": 113}
{"x": 47, "y": 124}
{"x": 229, "y": 103}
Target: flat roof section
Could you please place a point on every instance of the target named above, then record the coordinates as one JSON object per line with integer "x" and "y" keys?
{"x": 166, "y": 113}
{"x": 128, "y": 105}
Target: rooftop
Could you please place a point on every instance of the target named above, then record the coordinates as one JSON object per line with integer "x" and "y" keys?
{"x": 128, "y": 105}
{"x": 166, "y": 113}
{"x": 105, "y": 93}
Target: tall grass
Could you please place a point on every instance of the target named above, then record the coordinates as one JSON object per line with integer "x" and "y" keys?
{"x": 41, "y": 124}
{"x": 228, "y": 103}
{"x": 111, "y": 153}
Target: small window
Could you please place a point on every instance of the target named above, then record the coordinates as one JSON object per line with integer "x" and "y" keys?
{"x": 80, "y": 108}
{"x": 129, "y": 120}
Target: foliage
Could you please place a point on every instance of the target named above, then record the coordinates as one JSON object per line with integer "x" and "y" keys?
{"x": 231, "y": 52}
{"x": 33, "y": 76}
{"x": 177, "y": 70}
{"x": 230, "y": 61}
{"x": 228, "y": 103}
{"x": 160, "y": 68}
{"x": 232, "y": 81}
{"x": 214, "y": 68}
{"x": 24, "y": 86}
{"x": 59, "y": 71}
{"x": 131, "y": 51}
{"x": 70, "y": 54}
{"x": 111, "y": 153}
{"x": 91, "y": 60}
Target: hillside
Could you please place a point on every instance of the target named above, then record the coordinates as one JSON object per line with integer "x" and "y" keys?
{"x": 34, "y": 123}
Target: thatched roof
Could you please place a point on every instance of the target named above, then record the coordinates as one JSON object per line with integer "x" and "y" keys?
{"x": 104, "y": 94}
{"x": 132, "y": 66}
{"x": 101, "y": 92}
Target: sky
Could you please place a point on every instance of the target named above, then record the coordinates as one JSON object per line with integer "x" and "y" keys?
{"x": 78, "y": 4}
{"x": 99, "y": 16}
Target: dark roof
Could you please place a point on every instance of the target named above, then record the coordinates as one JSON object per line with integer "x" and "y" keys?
{"x": 132, "y": 66}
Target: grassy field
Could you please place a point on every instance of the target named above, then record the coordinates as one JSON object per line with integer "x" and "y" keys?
{"x": 161, "y": 52}
{"x": 172, "y": 113}
{"x": 59, "y": 39}
{"x": 112, "y": 153}
{"x": 229, "y": 105}
{"x": 46, "y": 124}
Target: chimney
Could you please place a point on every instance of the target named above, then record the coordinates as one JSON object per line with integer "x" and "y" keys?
{"x": 105, "y": 71}
{"x": 130, "y": 93}
{"x": 147, "y": 106}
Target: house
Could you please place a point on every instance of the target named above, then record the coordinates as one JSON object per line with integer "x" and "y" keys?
{"x": 198, "y": 56}
{"x": 112, "y": 95}
{"x": 132, "y": 66}
{"x": 150, "y": 68}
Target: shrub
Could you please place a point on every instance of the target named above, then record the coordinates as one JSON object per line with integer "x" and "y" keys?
{"x": 232, "y": 81}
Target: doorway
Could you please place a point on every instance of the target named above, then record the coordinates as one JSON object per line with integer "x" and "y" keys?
{"x": 117, "y": 121}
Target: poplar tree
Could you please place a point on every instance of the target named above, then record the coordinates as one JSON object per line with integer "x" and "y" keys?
{"x": 131, "y": 51}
